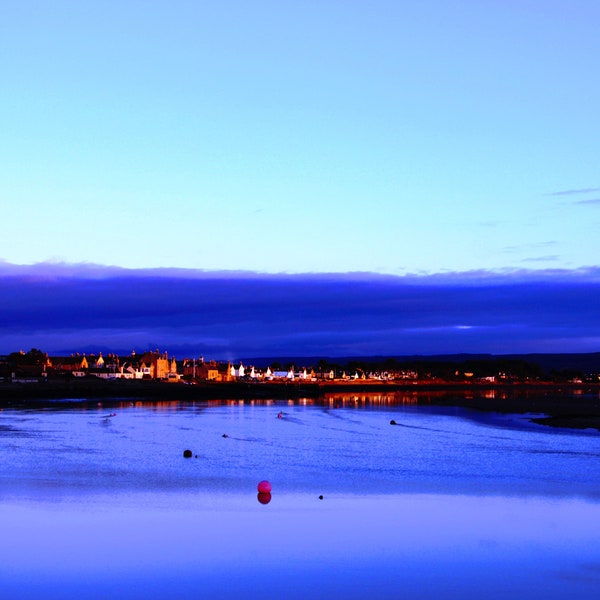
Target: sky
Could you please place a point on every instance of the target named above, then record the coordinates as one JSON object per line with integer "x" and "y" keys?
{"x": 439, "y": 141}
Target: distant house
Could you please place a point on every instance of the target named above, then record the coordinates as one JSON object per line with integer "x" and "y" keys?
{"x": 237, "y": 373}
{"x": 108, "y": 367}
{"x": 198, "y": 369}
{"x": 154, "y": 365}
{"x": 75, "y": 365}
{"x": 320, "y": 375}
{"x": 130, "y": 370}
{"x": 225, "y": 372}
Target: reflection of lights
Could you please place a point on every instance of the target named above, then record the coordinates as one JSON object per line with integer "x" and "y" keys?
{"x": 303, "y": 402}
{"x": 350, "y": 399}
{"x": 354, "y": 400}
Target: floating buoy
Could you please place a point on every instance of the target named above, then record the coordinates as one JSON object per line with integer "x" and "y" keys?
{"x": 264, "y": 497}
{"x": 280, "y": 415}
{"x": 392, "y": 422}
{"x": 264, "y": 487}
{"x": 225, "y": 435}
{"x": 321, "y": 497}
{"x": 187, "y": 454}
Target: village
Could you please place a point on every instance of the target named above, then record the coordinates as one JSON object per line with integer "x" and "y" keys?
{"x": 34, "y": 366}
{"x": 37, "y": 366}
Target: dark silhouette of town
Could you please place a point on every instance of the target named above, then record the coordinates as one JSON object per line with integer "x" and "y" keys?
{"x": 37, "y": 365}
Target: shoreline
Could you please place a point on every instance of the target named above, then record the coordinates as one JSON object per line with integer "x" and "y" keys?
{"x": 573, "y": 406}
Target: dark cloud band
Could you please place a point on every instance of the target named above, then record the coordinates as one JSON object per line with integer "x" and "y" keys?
{"x": 227, "y": 315}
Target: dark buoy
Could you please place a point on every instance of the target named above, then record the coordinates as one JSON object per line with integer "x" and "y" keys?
{"x": 392, "y": 422}
{"x": 321, "y": 497}
{"x": 187, "y": 454}
{"x": 264, "y": 497}
{"x": 225, "y": 435}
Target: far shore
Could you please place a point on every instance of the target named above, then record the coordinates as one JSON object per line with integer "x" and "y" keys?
{"x": 555, "y": 404}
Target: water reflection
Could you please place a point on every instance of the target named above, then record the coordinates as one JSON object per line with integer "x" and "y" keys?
{"x": 449, "y": 503}
{"x": 505, "y": 399}
{"x": 264, "y": 497}
{"x": 224, "y": 546}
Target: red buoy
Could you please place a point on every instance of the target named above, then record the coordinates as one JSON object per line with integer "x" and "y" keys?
{"x": 264, "y": 487}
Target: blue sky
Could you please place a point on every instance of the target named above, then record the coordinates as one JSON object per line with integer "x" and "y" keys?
{"x": 392, "y": 137}
{"x": 399, "y": 138}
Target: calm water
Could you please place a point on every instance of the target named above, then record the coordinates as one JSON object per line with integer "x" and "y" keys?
{"x": 445, "y": 504}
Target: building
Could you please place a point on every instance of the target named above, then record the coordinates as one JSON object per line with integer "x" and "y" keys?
{"x": 198, "y": 369}
{"x": 155, "y": 365}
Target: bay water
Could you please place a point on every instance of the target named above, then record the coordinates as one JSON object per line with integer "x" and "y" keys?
{"x": 445, "y": 503}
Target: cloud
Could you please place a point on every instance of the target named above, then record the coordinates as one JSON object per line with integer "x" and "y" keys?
{"x": 227, "y": 315}
{"x": 547, "y": 258}
{"x": 575, "y": 192}
{"x": 522, "y": 248}
{"x": 591, "y": 201}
